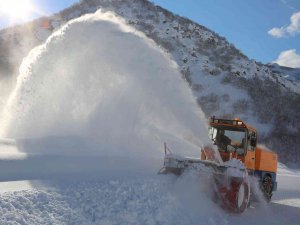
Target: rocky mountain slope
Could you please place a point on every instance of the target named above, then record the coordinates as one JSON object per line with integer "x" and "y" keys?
{"x": 224, "y": 81}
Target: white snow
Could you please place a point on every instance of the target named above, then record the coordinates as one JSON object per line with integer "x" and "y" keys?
{"x": 12, "y": 186}
{"x": 145, "y": 200}
{"x": 102, "y": 109}
{"x": 100, "y": 82}
{"x": 235, "y": 168}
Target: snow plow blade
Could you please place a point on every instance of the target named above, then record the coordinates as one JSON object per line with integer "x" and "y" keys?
{"x": 177, "y": 165}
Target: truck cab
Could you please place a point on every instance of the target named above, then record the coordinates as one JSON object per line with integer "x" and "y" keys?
{"x": 236, "y": 139}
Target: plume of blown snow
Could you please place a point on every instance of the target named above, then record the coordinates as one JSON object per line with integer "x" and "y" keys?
{"x": 107, "y": 86}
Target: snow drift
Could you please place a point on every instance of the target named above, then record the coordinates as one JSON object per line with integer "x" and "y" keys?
{"x": 97, "y": 85}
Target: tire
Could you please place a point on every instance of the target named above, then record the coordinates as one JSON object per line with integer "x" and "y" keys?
{"x": 267, "y": 188}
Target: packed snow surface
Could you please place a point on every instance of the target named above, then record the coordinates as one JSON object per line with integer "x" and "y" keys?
{"x": 148, "y": 200}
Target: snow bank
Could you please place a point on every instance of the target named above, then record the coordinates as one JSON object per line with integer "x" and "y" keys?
{"x": 141, "y": 201}
{"x": 107, "y": 88}
{"x": 151, "y": 200}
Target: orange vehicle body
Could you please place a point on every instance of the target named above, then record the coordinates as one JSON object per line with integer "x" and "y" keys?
{"x": 265, "y": 160}
{"x": 258, "y": 160}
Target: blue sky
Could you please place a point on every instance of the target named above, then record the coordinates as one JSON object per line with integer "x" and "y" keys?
{"x": 247, "y": 24}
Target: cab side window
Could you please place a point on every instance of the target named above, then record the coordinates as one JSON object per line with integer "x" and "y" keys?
{"x": 251, "y": 141}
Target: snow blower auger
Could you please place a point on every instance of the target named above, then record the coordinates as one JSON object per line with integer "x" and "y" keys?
{"x": 230, "y": 179}
{"x": 232, "y": 160}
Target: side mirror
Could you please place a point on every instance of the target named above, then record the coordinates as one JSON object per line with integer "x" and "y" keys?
{"x": 253, "y": 140}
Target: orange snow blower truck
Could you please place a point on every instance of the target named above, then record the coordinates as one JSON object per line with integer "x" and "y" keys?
{"x": 236, "y": 139}
{"x": 235, "y": 161}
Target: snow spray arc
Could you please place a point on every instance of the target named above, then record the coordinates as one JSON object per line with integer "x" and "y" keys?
{"x": 99, "y": 79}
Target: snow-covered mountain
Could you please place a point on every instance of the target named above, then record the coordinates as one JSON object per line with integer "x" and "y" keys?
{"x": 224, "y": 81}
{"x": 292, "y": 74}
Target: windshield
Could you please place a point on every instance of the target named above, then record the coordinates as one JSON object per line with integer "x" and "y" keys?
{"x": 228, "y": 140}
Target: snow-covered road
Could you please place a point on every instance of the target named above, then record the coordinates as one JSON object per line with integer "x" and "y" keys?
{"x": 146, "y": 199}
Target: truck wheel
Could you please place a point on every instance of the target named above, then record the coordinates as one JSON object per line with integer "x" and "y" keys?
{"x": 267, "y": 188}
